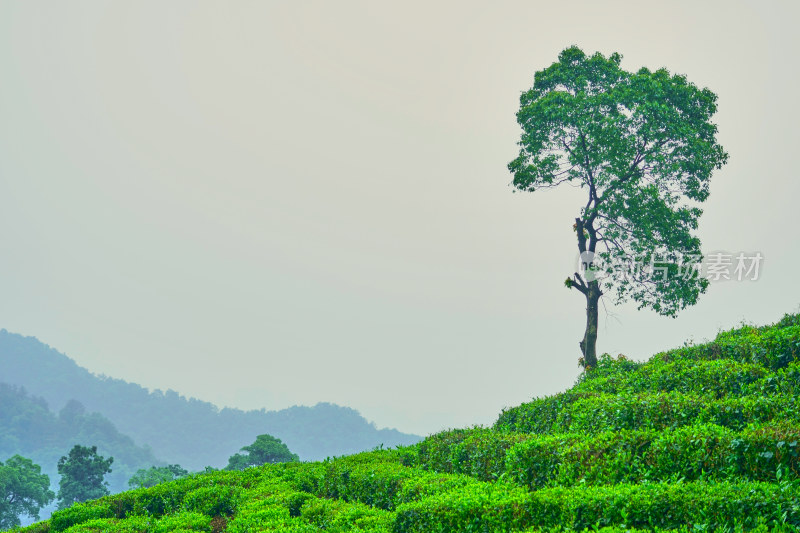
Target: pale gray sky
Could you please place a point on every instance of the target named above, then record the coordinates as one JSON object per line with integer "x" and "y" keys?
{"x": 263, "y": 204}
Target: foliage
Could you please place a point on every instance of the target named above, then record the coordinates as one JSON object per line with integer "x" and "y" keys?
{"x": 643, "y": 147}
{"x": 683, "y": 442}
{"x": 82, "y": 475}
{"x": 638, "y": 143}
{"x": 265, "y": 449}
{"x": 30, "y": 429}
{"x": 23, "y": 490}
{"x": 156, "y": 474}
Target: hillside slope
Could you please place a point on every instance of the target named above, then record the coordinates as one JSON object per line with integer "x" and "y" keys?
{"x": 172, "y": 425}
{"x": 30, "y": 429}
{"x": 701, "y": 438}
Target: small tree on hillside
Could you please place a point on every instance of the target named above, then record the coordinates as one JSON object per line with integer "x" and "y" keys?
{"x": 265, "y": 449}
{"x": 82, "y": 476}
{"x": 23, "y": 490}
{"x": 148, "y": 477}
{"x": 643, "y": 147}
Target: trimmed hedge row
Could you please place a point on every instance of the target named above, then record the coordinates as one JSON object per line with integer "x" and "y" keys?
{"x": 279, "y": 507}
{"x": 710, "y": 452}
{"x": 425, "y": 502}
{"x": 261, "y": 516}
{"x": 718, "y": 378}
{"x": 383, "y": 484}
{"x": 273, "y": 498}
{"x": 539, "y": 415}
{"x": 672, "y": 409}
{"x": 594, "y": 413}
{"x": 337, "y": 515}
{"x": 740, "y": 362}
{"x": 477, "y": 452}
{"x": 277, "y": 497}
{"x": 211, "y": 494}
{"x": 773, "y": 347}
{"x": 760, "y": 528}
{"x": 699, "y": 505}
{"x": 700, "y": 451}
{"x": 282, "y": 501}
{"x": 180, "y": 522}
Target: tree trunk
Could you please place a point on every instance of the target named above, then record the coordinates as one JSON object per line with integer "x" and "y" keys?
{"x": 589, "y": 343}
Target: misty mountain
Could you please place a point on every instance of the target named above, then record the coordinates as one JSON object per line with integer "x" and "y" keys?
{"x": 181, "y": 430}
{"x": 30, "y": 429}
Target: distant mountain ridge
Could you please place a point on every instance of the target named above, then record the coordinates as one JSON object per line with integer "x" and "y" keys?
{"x": 30, "y": 429}
{"x": 187, "y": 431}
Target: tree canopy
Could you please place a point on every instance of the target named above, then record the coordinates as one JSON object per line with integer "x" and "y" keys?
{"x": 643, "y": 147}
{"x": 82, "y": 475}
{"x": 265, "y": 449}
{"x": 23, "y": 490}
{"x": 148, "y": 477}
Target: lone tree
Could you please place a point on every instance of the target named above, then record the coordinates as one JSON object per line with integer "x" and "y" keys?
{"x": 82, "y": 475}
{"x": 23, "y": 491}
{"x": 265, "y": 449}
{"x": 643, "y": 148}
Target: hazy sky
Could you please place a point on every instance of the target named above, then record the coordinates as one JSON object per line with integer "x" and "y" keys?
{"x": 263, "y": 204}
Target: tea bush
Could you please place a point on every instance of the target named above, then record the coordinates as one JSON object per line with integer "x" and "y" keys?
{"x": 700, "y": 438}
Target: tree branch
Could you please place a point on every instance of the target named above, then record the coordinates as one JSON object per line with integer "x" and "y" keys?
{"x": 579, "y": 284}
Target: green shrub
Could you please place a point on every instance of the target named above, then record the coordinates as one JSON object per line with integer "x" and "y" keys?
{"x": 770, "y": 452}
{"x": 771, "y": 347}
{"x": 163, "y": 498}
{"x": 701, "y": 451}
{"x": 718, "y": 378}
{"x": 536, "y": 462}
{"x": 259, "y": 516}
{"x": 219, "y": 500}
{"x": 788, "y": 320}
{"x": 383, "y": 484}
{"x": 95, "y": 525}
{"x": 79, "y": 513}
{"x": 476, "y": 507}
{"x": 478, "y": 452}
{"x": 374, "y": 484}
{"x": 337, "y": 515}
{"x": 785, "y": 381}
{"x": 691, "y": 453}
{"x": 186, "y": 521}
{"x": 496, "y": 507}
{"x": 666, "y": 410}
{"x": 568, "y": 459}
{"x": 540, "y": 415}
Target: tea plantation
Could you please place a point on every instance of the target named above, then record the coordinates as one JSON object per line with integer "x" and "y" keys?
{"x": 700, "y": 438}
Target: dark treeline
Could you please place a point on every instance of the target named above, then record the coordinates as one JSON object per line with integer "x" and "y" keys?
{"x": 30, "y": 429}
{"x": 181, "y": 430}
